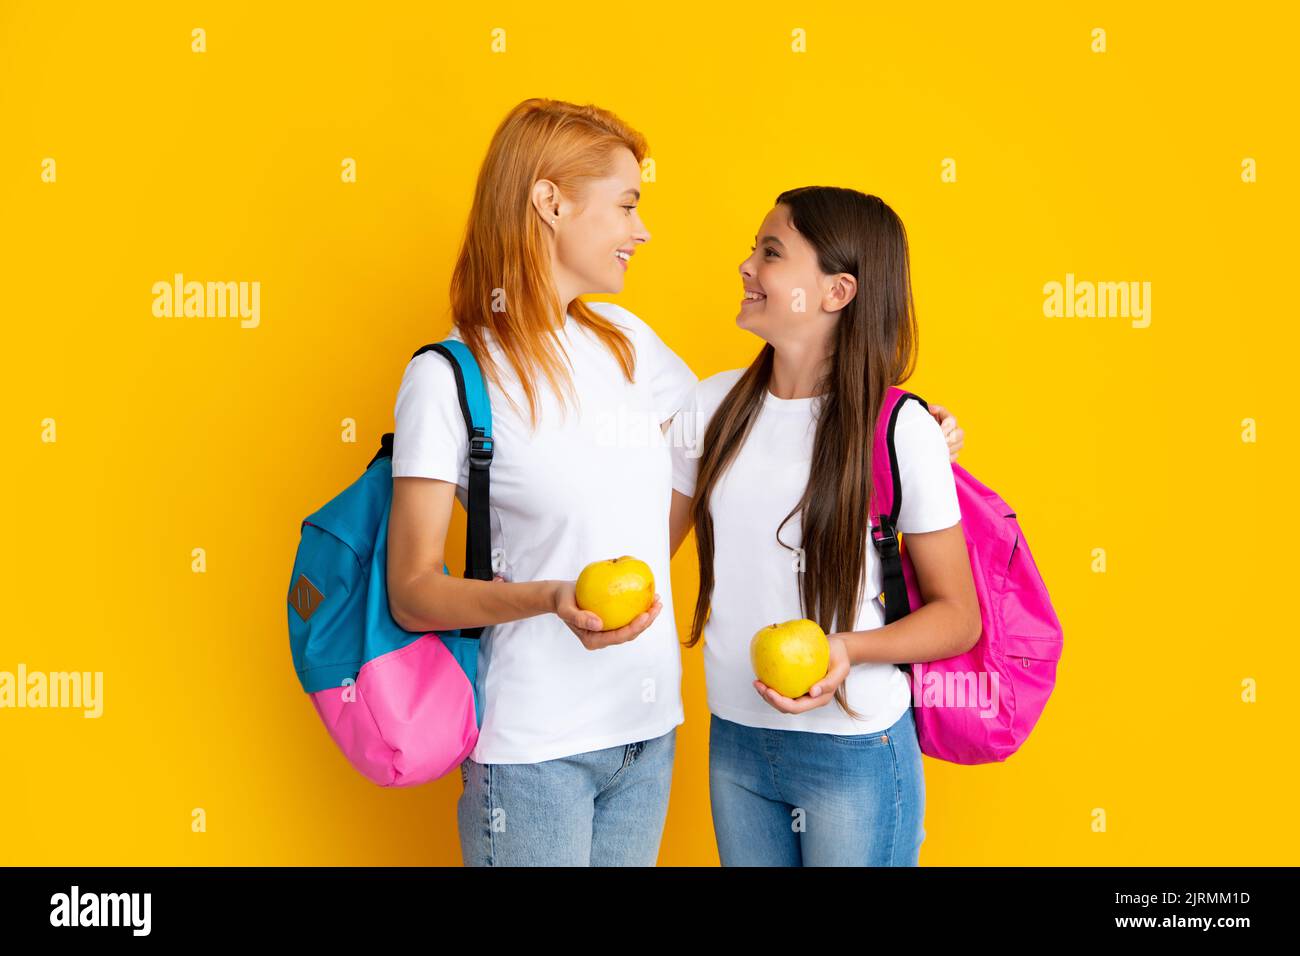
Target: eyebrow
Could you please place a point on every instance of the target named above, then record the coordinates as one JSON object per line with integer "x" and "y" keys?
{"x": 773, "y": 239}
{"x": 636, "y": 193}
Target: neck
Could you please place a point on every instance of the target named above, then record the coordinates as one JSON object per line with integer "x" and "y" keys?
{"x": 566, "y": 291}
{"x": 796, "y": 369}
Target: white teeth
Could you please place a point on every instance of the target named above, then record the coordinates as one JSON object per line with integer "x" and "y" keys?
{"x": 623, "y": 255}
{"x": 754, "y": 296}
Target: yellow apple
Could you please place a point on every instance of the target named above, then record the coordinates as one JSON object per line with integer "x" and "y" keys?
{"x": 617, "y": 590}
{"x": 790, "y": 657}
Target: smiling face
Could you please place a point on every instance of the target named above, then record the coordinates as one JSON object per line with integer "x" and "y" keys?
{"x": 596, "y": 233}
{"x": 783, "y": 283}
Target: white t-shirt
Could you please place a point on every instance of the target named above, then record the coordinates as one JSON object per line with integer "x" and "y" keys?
{"x": 593, "y": 485}
{"x": 755, "y": 578}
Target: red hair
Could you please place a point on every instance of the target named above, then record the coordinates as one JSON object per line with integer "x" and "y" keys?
{"x": 505, "y": 256}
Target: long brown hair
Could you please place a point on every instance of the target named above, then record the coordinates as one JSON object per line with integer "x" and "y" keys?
{"x": 502, "y": 280}
{"x": 874, "y": 346}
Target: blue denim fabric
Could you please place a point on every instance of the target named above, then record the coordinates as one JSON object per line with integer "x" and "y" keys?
{"x": 601, "y": 808}
{"x": 791, "y": 798}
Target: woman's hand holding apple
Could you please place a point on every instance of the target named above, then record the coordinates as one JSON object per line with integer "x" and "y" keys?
{"x": 586, "y": 624}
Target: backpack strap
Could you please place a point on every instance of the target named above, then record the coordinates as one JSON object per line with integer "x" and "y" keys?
{"x": 477, "y": 412}
{"x": 887, "y": 499}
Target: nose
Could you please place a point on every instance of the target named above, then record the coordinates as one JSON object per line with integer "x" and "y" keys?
{"x": 746, "y": 269}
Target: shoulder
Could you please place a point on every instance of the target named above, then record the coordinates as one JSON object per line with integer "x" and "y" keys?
{"x": 709, "y": 392}
{"x": 620, "y": 316}
{"x": 432, "y": 365}
{"x": 489, "y": 344}
{"x": 929, "y": 500}
{"x": 637, "y": 329}
{"x": 671, "y": 377}
{"x": 428, "y": 376}
{"x": 429, "y": 364}
{"x": 918, "y": 439}
{"x": 915, "y": 420}
{"x": 430, "y": 438}
{"x": 717, "y": 386}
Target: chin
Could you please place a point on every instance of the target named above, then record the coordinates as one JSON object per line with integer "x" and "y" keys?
{"x": 753, "y": 328}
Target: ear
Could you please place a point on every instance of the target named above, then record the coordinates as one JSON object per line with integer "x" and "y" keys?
{"x": 546, "y": 200}
{"x": 840, "y": 290}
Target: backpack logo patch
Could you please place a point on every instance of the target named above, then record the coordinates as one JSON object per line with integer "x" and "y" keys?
{"x": 305, "y": 597}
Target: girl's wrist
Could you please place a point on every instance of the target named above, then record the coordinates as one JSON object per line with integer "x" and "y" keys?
{"x": 858, "y": 650}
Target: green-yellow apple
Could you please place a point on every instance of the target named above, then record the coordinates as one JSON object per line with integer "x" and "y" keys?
{"x": 790, "y": 657}
{"x": 616, "y": 590}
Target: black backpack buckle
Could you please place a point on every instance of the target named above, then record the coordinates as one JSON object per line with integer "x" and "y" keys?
{"x": 480, "y": 450}
{"x": 887, "y": 544}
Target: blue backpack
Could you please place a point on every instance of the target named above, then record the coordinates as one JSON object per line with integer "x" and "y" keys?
{"x": 401, "y": 705}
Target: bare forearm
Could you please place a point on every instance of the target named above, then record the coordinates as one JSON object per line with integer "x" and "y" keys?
{"x": 434, "y": 601}
{"x": 933, "y": 632}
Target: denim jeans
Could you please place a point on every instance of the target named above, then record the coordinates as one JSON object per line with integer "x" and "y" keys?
{"x": 791, "y": 798}
{"x": 601, "y": 808}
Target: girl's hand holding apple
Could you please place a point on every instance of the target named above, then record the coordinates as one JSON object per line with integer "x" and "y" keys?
{"x": 822, "y": 691}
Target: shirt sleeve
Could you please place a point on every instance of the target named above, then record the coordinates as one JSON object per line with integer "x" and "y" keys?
{"x": 685, "y": 436}
{"x": 429, "y": 438}
{"x": 929, "y": 488}
{"x": 670, "y": 378}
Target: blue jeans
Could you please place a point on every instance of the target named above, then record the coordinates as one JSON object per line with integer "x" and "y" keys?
{"x": 791, "y": 798}
{"x": 601, "y": 808}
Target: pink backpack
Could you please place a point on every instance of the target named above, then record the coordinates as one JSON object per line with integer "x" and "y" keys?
{"x": 980, "y": 706}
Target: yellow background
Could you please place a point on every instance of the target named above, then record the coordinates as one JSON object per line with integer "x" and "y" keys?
{"x": 182, "y": 433}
